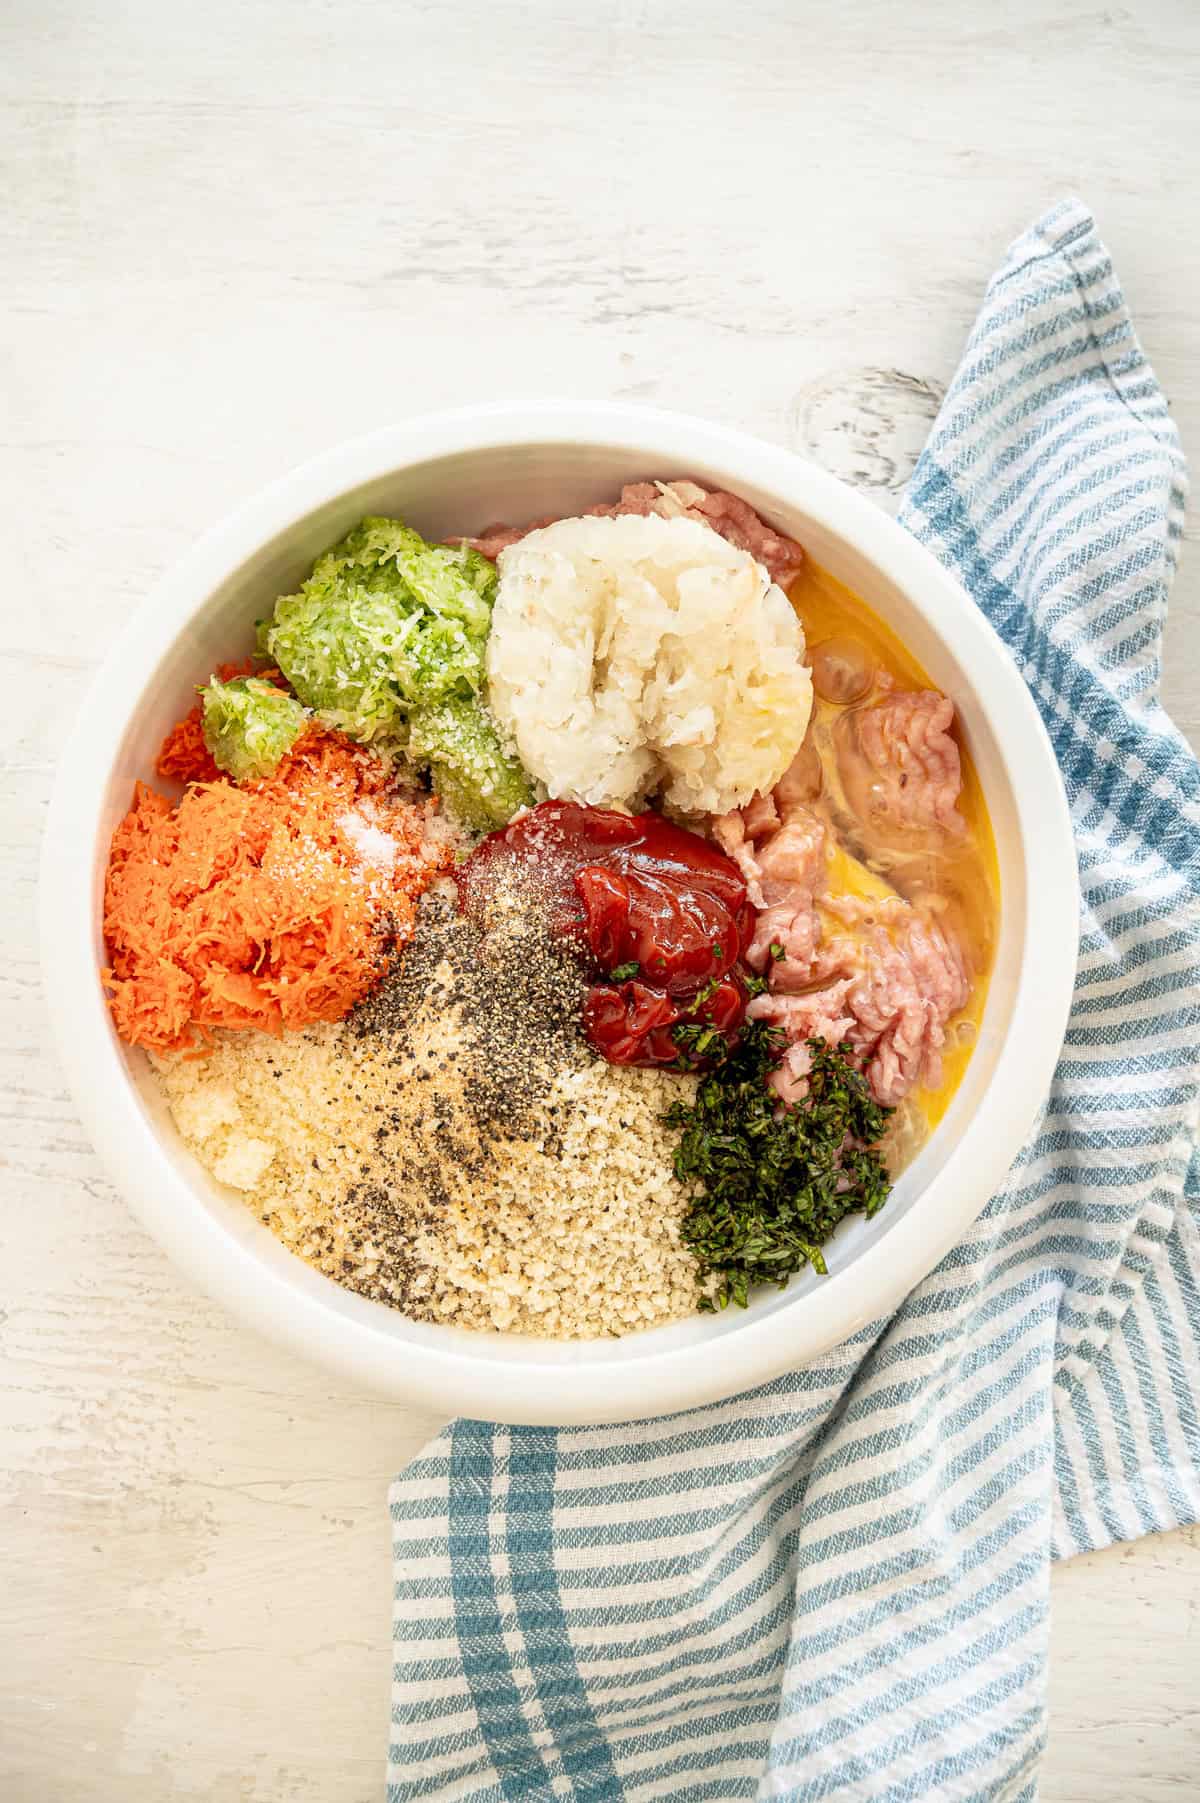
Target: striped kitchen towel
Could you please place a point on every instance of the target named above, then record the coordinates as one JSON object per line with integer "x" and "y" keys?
{"x": 836, "y": 1587}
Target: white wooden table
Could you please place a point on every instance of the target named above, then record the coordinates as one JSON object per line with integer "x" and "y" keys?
{"x": 235, "y": 233}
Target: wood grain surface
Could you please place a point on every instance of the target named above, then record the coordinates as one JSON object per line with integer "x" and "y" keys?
{"x": 233, "y": 234}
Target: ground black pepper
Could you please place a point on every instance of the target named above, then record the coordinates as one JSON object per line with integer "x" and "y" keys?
{"x": 517, "y": 998}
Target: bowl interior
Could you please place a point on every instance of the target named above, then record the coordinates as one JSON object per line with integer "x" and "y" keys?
{"x": 462, "y": 491}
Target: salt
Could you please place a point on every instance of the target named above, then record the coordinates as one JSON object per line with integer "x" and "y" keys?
{"x": 373, "y": 845}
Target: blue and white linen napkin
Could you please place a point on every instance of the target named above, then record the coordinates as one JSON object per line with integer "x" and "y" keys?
{"x": 837, "y": 1586}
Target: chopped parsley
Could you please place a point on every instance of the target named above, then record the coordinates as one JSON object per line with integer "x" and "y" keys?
{"x": 706, "y": 993}
{"x": 697, "y": 1039}
{"x": 622, "y": 973}
{"x": 769, "y": 1184}
{"x": 776, "y": 950}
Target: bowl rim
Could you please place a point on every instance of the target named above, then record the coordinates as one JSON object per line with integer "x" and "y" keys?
{"x": 448, "y": 1378}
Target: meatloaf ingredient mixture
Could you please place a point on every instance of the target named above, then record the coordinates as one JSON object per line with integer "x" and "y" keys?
{"x": 578, "y": 1065}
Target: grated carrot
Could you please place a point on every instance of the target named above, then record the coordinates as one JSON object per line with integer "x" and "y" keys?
{"x": 250, "y": 907}
{"x": 183, "y": 756}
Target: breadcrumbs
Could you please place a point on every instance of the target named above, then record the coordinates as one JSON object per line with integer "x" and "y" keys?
{"x": 455, "y": 1155}
{"x": 576, "y": 1235}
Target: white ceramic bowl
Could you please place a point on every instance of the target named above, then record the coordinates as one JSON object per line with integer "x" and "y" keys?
{"x": 453, "y": 472}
